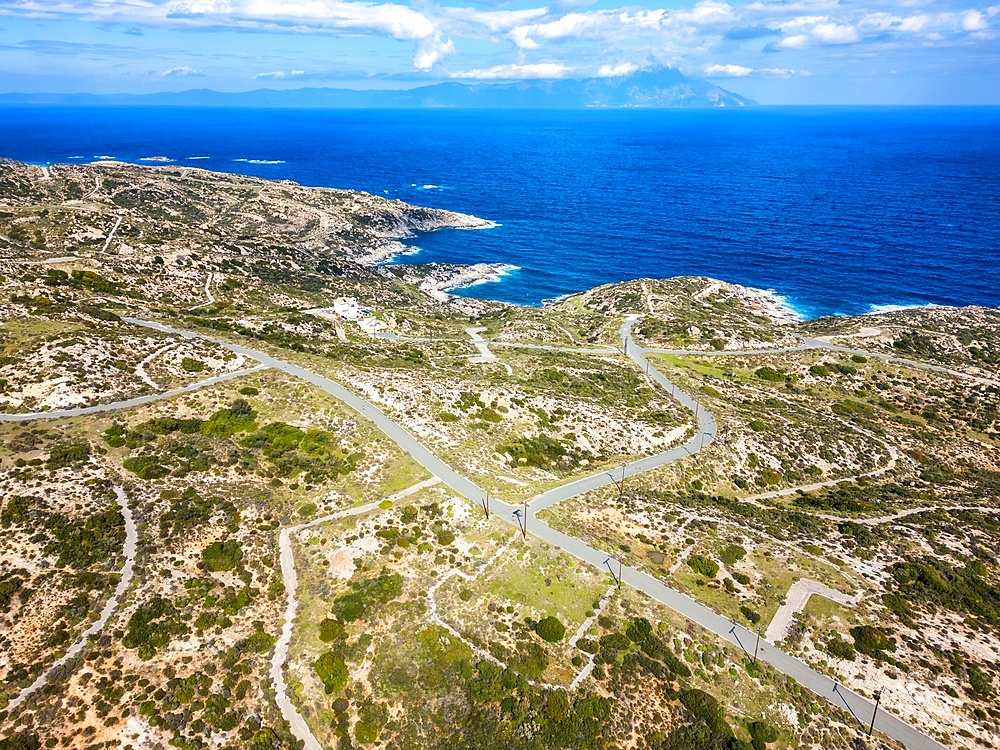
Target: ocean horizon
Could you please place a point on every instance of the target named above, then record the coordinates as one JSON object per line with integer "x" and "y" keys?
{"x": 836, "y": 210}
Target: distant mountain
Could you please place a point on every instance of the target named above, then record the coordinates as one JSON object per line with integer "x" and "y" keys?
{"x": 661, "y": 88}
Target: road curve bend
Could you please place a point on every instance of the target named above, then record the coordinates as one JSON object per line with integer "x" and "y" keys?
{"x": 737, "y": 635}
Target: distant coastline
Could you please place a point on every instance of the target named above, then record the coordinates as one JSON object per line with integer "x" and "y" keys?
{"x": 584, "y": 199}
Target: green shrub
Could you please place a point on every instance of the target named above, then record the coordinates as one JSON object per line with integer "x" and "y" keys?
{"x": 838, "y": 648}
{"x": 227, "y": 422}
{"x": 330, "y": 630}
{"x": 750, "y": 614}
{"x": 20, "y": 741}
{"x": 639, "y": 630}
{"x": 732, "y": 554}
{"x": 332, "y": 671}
{"x": 757, "y": 425}
{"x": 872, "y": 641}
{"x": 761, "y": 734}
{"x": 366, "y": 595}
{"x": 257, "y": 643}
{"x": 222, "y": 556}
{"x": 769, "y": 374}
{"x": 550, "y": 629}
{"x": 307, "y": 509}
{"x": 819, "y": 371}
{"x": 146, "y": 466}
{"x": 372, "y": 717}
{"x": 704, "y": 566}
{"x": 190, "y": 364}
{"x": 68, "y": 454}
{"x": 447, "y": 416}
{"x": 249, "y": 390}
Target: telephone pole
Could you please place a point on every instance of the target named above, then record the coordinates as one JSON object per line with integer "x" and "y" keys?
{"x": 878, "y": 699}
{"x": 756, "y": 649}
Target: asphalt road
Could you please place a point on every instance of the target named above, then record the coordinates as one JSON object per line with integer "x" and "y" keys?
{"x": 788, "y": 665}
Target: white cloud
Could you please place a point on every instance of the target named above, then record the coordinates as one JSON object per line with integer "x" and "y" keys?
{"x": 613, "y": 71}
{"x": 279, "y": 74}
{"x": 727, "y": 71}
{"x": 972, "y": 20}
{"x": 182, "y": 72}
{"x": 515, "y": 72}
{"x": 798, "y": 41}
{"x": 707, "y": 12}
{"x": 835, "y": 33}
{"x": 801, "y": 22}
{"x": 471, "y": 21}
{"x": 783, "y": 72}
{"x": 431, "y": 51}
{"x": 570, "y": 25}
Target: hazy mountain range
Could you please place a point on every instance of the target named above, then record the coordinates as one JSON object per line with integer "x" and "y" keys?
{"x": 662, "y": 88}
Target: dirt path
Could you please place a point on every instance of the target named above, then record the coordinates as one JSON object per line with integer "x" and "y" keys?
{"x": 111, "y": 234}
{"x": 110, "y": 606}
{"x": 795, "y": 601}
{"x": 291, "y": 580}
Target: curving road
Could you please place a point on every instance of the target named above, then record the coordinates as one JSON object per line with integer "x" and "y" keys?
{"x": 131, "y": 537}
{"x": 739, "y": 636}
{"x": 80, "y": 411}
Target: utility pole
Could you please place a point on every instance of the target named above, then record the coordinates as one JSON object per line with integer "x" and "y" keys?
{"x": 697, "y": 406}
{"x": 619, "y": 573}
{"x": 878, "y": 699}
{"x": 607, "y": 564}
{"x": 756, "y": 649}
{"x": 524, "y": 531}
{"x": 486, "y": 504}
{"x": 621, "y": 486}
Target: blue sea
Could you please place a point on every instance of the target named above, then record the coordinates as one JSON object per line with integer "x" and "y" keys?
{"x": 838, "y": 210}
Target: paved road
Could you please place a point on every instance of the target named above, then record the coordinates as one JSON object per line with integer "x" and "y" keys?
{"x": 110, "y": 606}
{"x": 127, "y": 403}
{"x": 788, "y": 665}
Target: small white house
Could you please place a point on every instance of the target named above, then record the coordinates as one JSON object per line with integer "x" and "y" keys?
{"x": 371, "y": 325}
{"x": 347, "y": 308}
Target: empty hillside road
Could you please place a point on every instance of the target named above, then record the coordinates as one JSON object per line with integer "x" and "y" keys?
{"x": 820, "y": 684}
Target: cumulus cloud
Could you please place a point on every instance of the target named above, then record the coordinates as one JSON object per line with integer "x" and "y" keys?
{"x": 972, "y": 20}
{"x": 280, "y": 74}
{"x": 613, "y": 71}
{"x": 783, "y": 72}
{"x": 570, "y": 25}
{"x": 182, "y": 72}
{"x": 727, "y": 71}
{"x": 835, "y": 33}
{"x": 334, "y": 17}
{"x": 516, "y": 72}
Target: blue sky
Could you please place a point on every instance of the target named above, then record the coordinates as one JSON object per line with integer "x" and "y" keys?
{"x": 779, "y": 52}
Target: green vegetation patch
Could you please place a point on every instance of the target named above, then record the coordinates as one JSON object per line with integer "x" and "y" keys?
{"x": 550, "y": 629}
{"x": 366, "y": 595}
{"x": 152, "y": 626}
{"x": 703, "y": 565}
{"x": 222, "y": 556}
{"x": 544, "y": 452}
{"x": 80, "y": 544}
{"x": 292, "y": 451}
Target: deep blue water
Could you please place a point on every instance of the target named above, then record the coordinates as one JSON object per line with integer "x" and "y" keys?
{"x": 836, "y": 209}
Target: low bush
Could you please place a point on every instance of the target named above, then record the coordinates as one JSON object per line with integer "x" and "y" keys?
{"x": 704, "y": 566}
{"x": 550, "y": 629}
